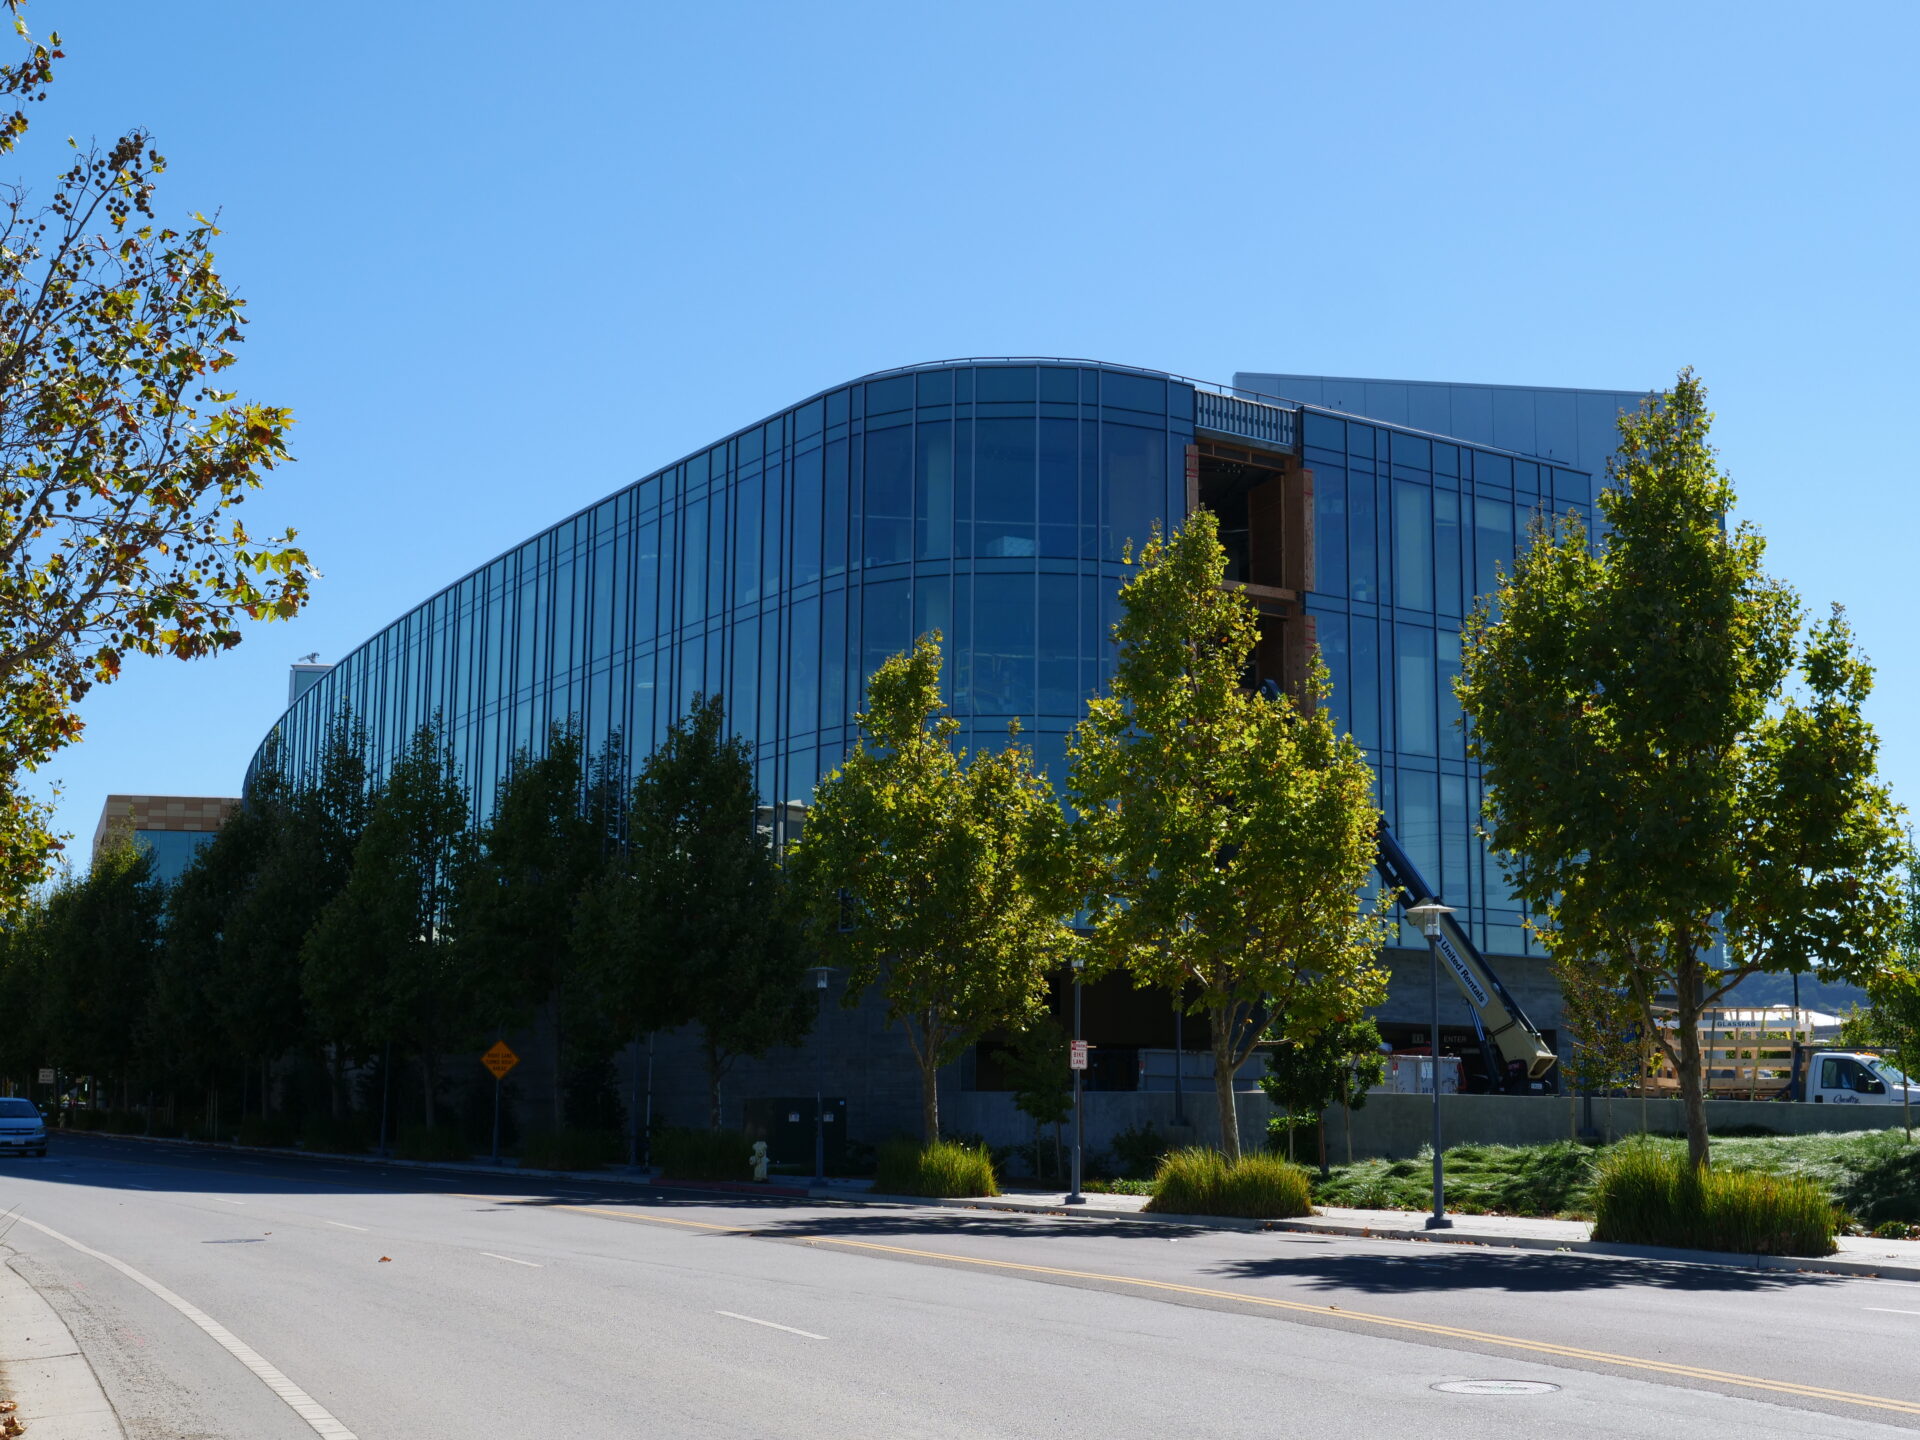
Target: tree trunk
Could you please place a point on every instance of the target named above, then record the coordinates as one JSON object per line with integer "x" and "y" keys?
{"x": 929, "y": 1100}
{"x": 426, "y": 1082}
{"x": 559, "y": 1073}
{"x": 1221, "y": 1017}
{"x": 1692, "y": 1079}
{"x": 715, "y": 1068}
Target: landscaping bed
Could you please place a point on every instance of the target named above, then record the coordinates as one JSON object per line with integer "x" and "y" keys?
{"x": 1872, "y": 1175}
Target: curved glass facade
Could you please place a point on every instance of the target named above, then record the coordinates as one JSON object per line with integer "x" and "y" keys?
{"x": 992, "y": 501}
{"x": 780, "y": 566}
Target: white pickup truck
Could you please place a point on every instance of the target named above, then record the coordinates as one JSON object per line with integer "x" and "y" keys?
{"x": 1848, "y": 1077}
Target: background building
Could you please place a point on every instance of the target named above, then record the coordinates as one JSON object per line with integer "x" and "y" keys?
{"x": 173, "y": 827}
{"x": 995, "y": 501}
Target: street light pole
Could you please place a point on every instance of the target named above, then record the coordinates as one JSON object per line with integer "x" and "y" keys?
{"x": 1079, "y": 1111}
{"x": 821, "y": 974}
{"x": 1427, "y": 916}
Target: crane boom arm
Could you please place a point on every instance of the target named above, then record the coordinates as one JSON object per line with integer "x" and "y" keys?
{"x": 1501, "y": 1022}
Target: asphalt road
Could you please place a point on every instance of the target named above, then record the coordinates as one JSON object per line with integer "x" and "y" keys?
{"x": 420, "y": 1306}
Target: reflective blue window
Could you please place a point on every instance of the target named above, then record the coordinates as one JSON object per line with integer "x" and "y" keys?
{"x": 835, "y": 708}
{"x": 1364, "y": 688}
{"x": 889, "y": 495}
{"x": 1453, "y": 738}
{"x": 807, "y": 503}
{"x": 693, "y": 562}
{"x": 1059, "y": 669}
{"x": 1330, "y": 531}
{"x": 1363, "y": 557}
{"x": 1412, "y": 545}
{"x": 1413, "y": 689}
{"x": 1134, "y": 469}
{"x": 886, "y": 625}
{"x": 1059, "y": 484}
{"x": 803, "y": 668}
{"x": 1419, "y": 827}
{"x": 1003, "y": 486}
{"x": 933, "y": 490}
{"x": 833, "y": 546}
{"x": 1492, "y": 543}
{"x": 1003, "y": 646}
{"x": 1446, "y": 552}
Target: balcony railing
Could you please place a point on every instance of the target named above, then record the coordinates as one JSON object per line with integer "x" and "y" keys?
{"x": 1233, "y": 416}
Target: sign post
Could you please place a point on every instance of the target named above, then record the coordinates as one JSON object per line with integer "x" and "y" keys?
{"x": 499, "y": 1060}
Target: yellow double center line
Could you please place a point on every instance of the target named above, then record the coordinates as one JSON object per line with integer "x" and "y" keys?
{"x": 1390, "y": 1322}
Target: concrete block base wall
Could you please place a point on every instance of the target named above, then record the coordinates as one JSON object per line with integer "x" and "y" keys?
{"x": 1398, "y": 1126}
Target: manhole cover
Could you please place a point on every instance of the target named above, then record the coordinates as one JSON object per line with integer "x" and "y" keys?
{"x": 1496, "y": 1387}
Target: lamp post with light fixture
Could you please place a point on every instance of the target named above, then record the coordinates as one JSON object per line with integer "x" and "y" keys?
{"x": 1427, "y": 916}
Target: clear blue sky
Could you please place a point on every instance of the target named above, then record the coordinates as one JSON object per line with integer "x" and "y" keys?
{"x": 504, "y": 258}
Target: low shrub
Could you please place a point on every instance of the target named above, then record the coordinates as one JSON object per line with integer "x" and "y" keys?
{"x": 1895, "y": 1230}
{"x": 432, "y": 1142}
{"x": 946, "y": 1169}
{"x": 1199, "y": 1181}
{"x": 1648, "y": 1195}
{"x": 1886, "y": 1188}
{"x": 1137, "y": 1151}
{"x": 703, "y": 1155}
{"x": 270, "y": 1131}
{"x": 329, "y": 1136}
{"x": 571, "y": 1150}
{"x": 1117, "y": 1187}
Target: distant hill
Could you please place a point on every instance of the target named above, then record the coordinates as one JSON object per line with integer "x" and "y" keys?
{"x": 1815, "y": 994}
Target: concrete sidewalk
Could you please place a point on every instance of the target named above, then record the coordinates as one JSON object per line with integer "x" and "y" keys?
{"x": 1857, "y": 1255}
{"x": 57, "y": 1395}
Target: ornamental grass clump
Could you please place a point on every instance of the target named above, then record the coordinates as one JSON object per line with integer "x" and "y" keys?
{"x": 945, "y": 1170}
{"x": 1199, "y": 1181}
{"x": 1649, "y": 1195}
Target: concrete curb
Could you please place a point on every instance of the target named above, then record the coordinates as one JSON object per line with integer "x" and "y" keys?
{"x": 44, "y": 1370}
{"x": 1795, "y": 1264}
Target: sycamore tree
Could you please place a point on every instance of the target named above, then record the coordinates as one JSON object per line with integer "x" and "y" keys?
{"x": 1678, "y": 772}
{"x": 388, "y": 932}
{"x": 1226, "y": 837}
{"x": 707, "y": 909}
{"x": 1309, "y": 1072}
{"x": 516, "y": 895}
{"x": 123, "y": 453}
{"x": 916, "y": 867}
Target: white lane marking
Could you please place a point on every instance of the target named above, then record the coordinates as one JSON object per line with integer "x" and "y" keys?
{"x": 344, "y": 1226}
{"x": 1881, "y": 1310}
{"x": 510, "y": 1260}
{"x": 769, "y": 1324}
{"x": 301, "y": 1403}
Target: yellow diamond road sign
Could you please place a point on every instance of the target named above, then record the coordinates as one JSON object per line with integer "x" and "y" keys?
{"x": 499, "y": 1059}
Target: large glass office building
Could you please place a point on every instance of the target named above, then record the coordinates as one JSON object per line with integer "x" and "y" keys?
{"x": 994, "y": 501}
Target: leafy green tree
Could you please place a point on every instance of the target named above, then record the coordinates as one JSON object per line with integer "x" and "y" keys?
{"x": 387, "y": 932}
{"x": 1228, "y": 837}
{"x": 917, "y": 869}
{"x": 122, "y": 458}
{"x": 516, "y": 895}
{"x": 1309, "y": 1073}
{"x": 102, "y": 932}
{"x": 709, "y": 906}
{"x": 1042, "y": 1079}
{"x": 311, "y": 869}
{"x": 1670, "y": 762}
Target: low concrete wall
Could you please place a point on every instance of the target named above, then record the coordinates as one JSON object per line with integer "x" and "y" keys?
{"x": 1398, "y": 1126}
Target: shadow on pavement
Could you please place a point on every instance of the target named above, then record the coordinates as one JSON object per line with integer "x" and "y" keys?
{"x": 1514, "y": 1273}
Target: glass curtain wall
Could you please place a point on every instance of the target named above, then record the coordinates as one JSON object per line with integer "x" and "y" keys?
{"x": 992, "y": 502}
{"x": 1409, "y": 531}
